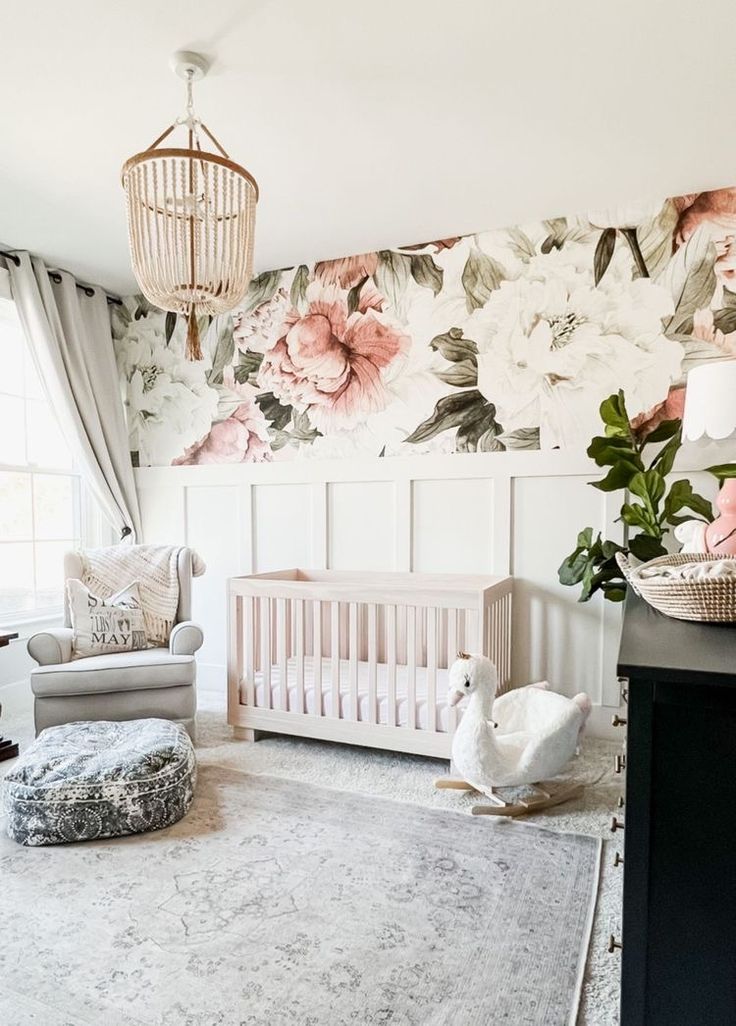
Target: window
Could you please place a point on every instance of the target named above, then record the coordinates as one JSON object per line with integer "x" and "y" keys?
{"x": 39, "y": 487}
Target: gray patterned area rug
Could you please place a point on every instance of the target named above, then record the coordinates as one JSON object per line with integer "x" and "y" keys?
{"x": 275, "y": 904}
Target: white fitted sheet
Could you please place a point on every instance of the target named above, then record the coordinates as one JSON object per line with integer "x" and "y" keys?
{"x": 424, "y": 719}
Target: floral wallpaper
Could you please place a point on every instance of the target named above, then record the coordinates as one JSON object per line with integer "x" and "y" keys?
{"x": 507, "y": 339}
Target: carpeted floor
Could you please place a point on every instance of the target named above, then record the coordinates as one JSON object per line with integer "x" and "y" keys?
{"x": 406, "y": 778}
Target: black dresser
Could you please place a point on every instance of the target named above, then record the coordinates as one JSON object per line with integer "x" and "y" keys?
{"x": 679, "y": 821}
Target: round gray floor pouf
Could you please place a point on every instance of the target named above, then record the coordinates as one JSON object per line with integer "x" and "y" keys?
{"x": 85, "y": 781}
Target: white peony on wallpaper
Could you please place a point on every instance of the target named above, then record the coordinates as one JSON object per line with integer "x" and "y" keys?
{"x": 507, "y": 339}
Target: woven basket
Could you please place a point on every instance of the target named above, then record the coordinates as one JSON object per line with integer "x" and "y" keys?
{"x": 708, "y": 601}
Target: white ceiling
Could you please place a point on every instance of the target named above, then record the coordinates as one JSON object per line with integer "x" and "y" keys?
{"x": 368, "y": 125}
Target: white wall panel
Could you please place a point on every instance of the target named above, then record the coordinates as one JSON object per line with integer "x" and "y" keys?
{"x": 362, "y": 525}
{"x": 555, "y": 637}
{"x": 282, "y": 526}
{"x": 212, "y": 522}
{"x": 452, "y": 526}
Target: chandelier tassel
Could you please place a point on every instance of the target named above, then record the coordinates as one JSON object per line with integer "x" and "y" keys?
{"x": 194, "y": 349}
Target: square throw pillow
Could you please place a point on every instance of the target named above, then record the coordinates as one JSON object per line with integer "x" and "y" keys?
{"x": 100, "y": 626}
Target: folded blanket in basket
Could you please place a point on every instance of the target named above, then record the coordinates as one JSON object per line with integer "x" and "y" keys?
{"x": 708, "y": 570}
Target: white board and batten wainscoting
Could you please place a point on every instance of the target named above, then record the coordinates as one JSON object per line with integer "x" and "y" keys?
{"x": 490, "y": 513}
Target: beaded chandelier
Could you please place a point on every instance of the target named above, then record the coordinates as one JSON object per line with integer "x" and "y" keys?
{"x": 191, "y": 219}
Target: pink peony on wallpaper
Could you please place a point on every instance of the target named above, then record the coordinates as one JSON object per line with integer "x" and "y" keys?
{"x": 507, "y": 339}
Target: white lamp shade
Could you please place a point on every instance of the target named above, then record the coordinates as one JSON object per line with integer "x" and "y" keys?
{"x": 710, "y": 401}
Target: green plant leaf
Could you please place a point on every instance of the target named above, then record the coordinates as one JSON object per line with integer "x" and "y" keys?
{"x": 603, "y": 253}
{"x": 427, "y": 273}
{"x": 646, "y": 547}
{"x": 481, "y": 275}
{"x": 636, "y": 515}
{"x": 298, "y": 291}
{"x": 665, "y": 458}
{"x": 461, "y": 375}
{"x": 449, "y": 412}
{"x": 690, "y": 279}
{"x": 615, "y": 416}
{"x": 723, "y": 471}
{"x": 681, "y": 496}
{"x": 454, "y": 347}
{"x": 650, "y": 487}
{"x": 607, "y": 451}
{"x": 618, "y": 476}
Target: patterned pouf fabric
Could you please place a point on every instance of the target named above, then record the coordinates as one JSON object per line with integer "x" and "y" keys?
{"x": 85, "y": 781}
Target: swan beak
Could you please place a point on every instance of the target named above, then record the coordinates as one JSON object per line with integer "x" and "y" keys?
{"x": 455, "y": 696}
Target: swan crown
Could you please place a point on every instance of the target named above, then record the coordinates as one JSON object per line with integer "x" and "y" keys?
{"x": 470, "y": 673}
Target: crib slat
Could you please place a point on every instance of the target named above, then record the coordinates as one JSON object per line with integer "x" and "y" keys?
{"x": 372, "y": 664}
{"x": 391, "y": 660}
{"x": 281, "y": 638}
{"x": 432, "y": 668}
{"x": 317, "y": 656}
{"x": 353, "y": 657}
{"x": 411, "y": 666}
{"x": 250, "y": 644}
{"x": 452, "y": 650}
{"x": 299, "y": 653}
{"x": 235, "y": 652}
{"x": 266, "y": 651}
{"x": 335, "y": 656}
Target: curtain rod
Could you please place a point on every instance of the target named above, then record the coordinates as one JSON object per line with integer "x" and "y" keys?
{"x": 56, "y": 277}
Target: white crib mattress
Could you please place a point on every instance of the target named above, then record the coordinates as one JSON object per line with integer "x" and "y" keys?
{"x": 442, "y": 713}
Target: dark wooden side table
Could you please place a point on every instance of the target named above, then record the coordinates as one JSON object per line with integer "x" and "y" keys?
{"x": 679, "y": 915}
{"x": 8, "y": 748}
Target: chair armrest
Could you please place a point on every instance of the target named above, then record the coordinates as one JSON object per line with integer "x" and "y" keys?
{"x": 185, "y": 638}
{"x": 52, "y": 646}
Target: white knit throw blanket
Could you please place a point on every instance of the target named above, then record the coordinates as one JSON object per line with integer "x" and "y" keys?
{"x": 154, "y": 567}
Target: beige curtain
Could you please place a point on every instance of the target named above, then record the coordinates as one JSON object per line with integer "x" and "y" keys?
{"x": 70, "y": 339}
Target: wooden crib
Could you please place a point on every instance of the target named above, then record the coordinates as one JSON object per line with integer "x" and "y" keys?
{"x": 359, "y": 657}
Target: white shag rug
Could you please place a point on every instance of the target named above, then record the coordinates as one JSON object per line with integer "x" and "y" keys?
{"x": 402, "y": 777}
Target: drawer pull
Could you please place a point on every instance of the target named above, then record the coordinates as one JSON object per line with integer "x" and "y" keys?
{"x": 618, "y": 859}
{"x": 613, "y": 944}
{"x": 620, "y": 802}
{"x": 618, "y": 721}
{"x": 623, "y": 683}
{"x": 616, "y": 824}
{"x": 619, "y": 764}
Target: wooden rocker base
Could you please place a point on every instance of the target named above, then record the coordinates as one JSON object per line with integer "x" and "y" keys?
{"x": 546, "y": 796}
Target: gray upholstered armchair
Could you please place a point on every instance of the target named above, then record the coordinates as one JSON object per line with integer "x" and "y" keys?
{"x": 156, "y": 682}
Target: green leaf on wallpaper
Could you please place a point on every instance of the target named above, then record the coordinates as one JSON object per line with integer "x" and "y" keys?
{"x": 522, "y": 438}
{"x": 478, "y": 430}
{"x": 143, "y": 308}
{"x": 463, "y": 374}
{"x": 725, "y": 320}
{"x": 603, "y": 253}
{"x": 481, "y": 275}
{"x": 729, "y": 298}
{"x": 521, "y": 244}
{"x": 248, "y": 363}
{"x": 690, "y": 279}
{"x": 655, "y": 238}
{"x": 392, "y": 275}
{"x": 298, "y": 292}
{"x": 454, "y": 347}
{"x": 277, "y": 415}
{"x": 426, "y": 272}
{"x": 557, "y": 233}
{"x": 449, "y": 412}
{"x": 302, "y": 430}
{"x": 223, "y": 352}
{"x": 169, "y": 325}
{"x": 354, "y": 295}
{"x": 262, "y": 288}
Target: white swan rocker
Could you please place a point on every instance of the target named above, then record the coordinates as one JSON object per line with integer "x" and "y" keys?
{"x": 518, "y": 740}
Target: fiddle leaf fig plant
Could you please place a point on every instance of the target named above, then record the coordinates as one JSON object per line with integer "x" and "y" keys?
{"x": 651, "y": 506}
